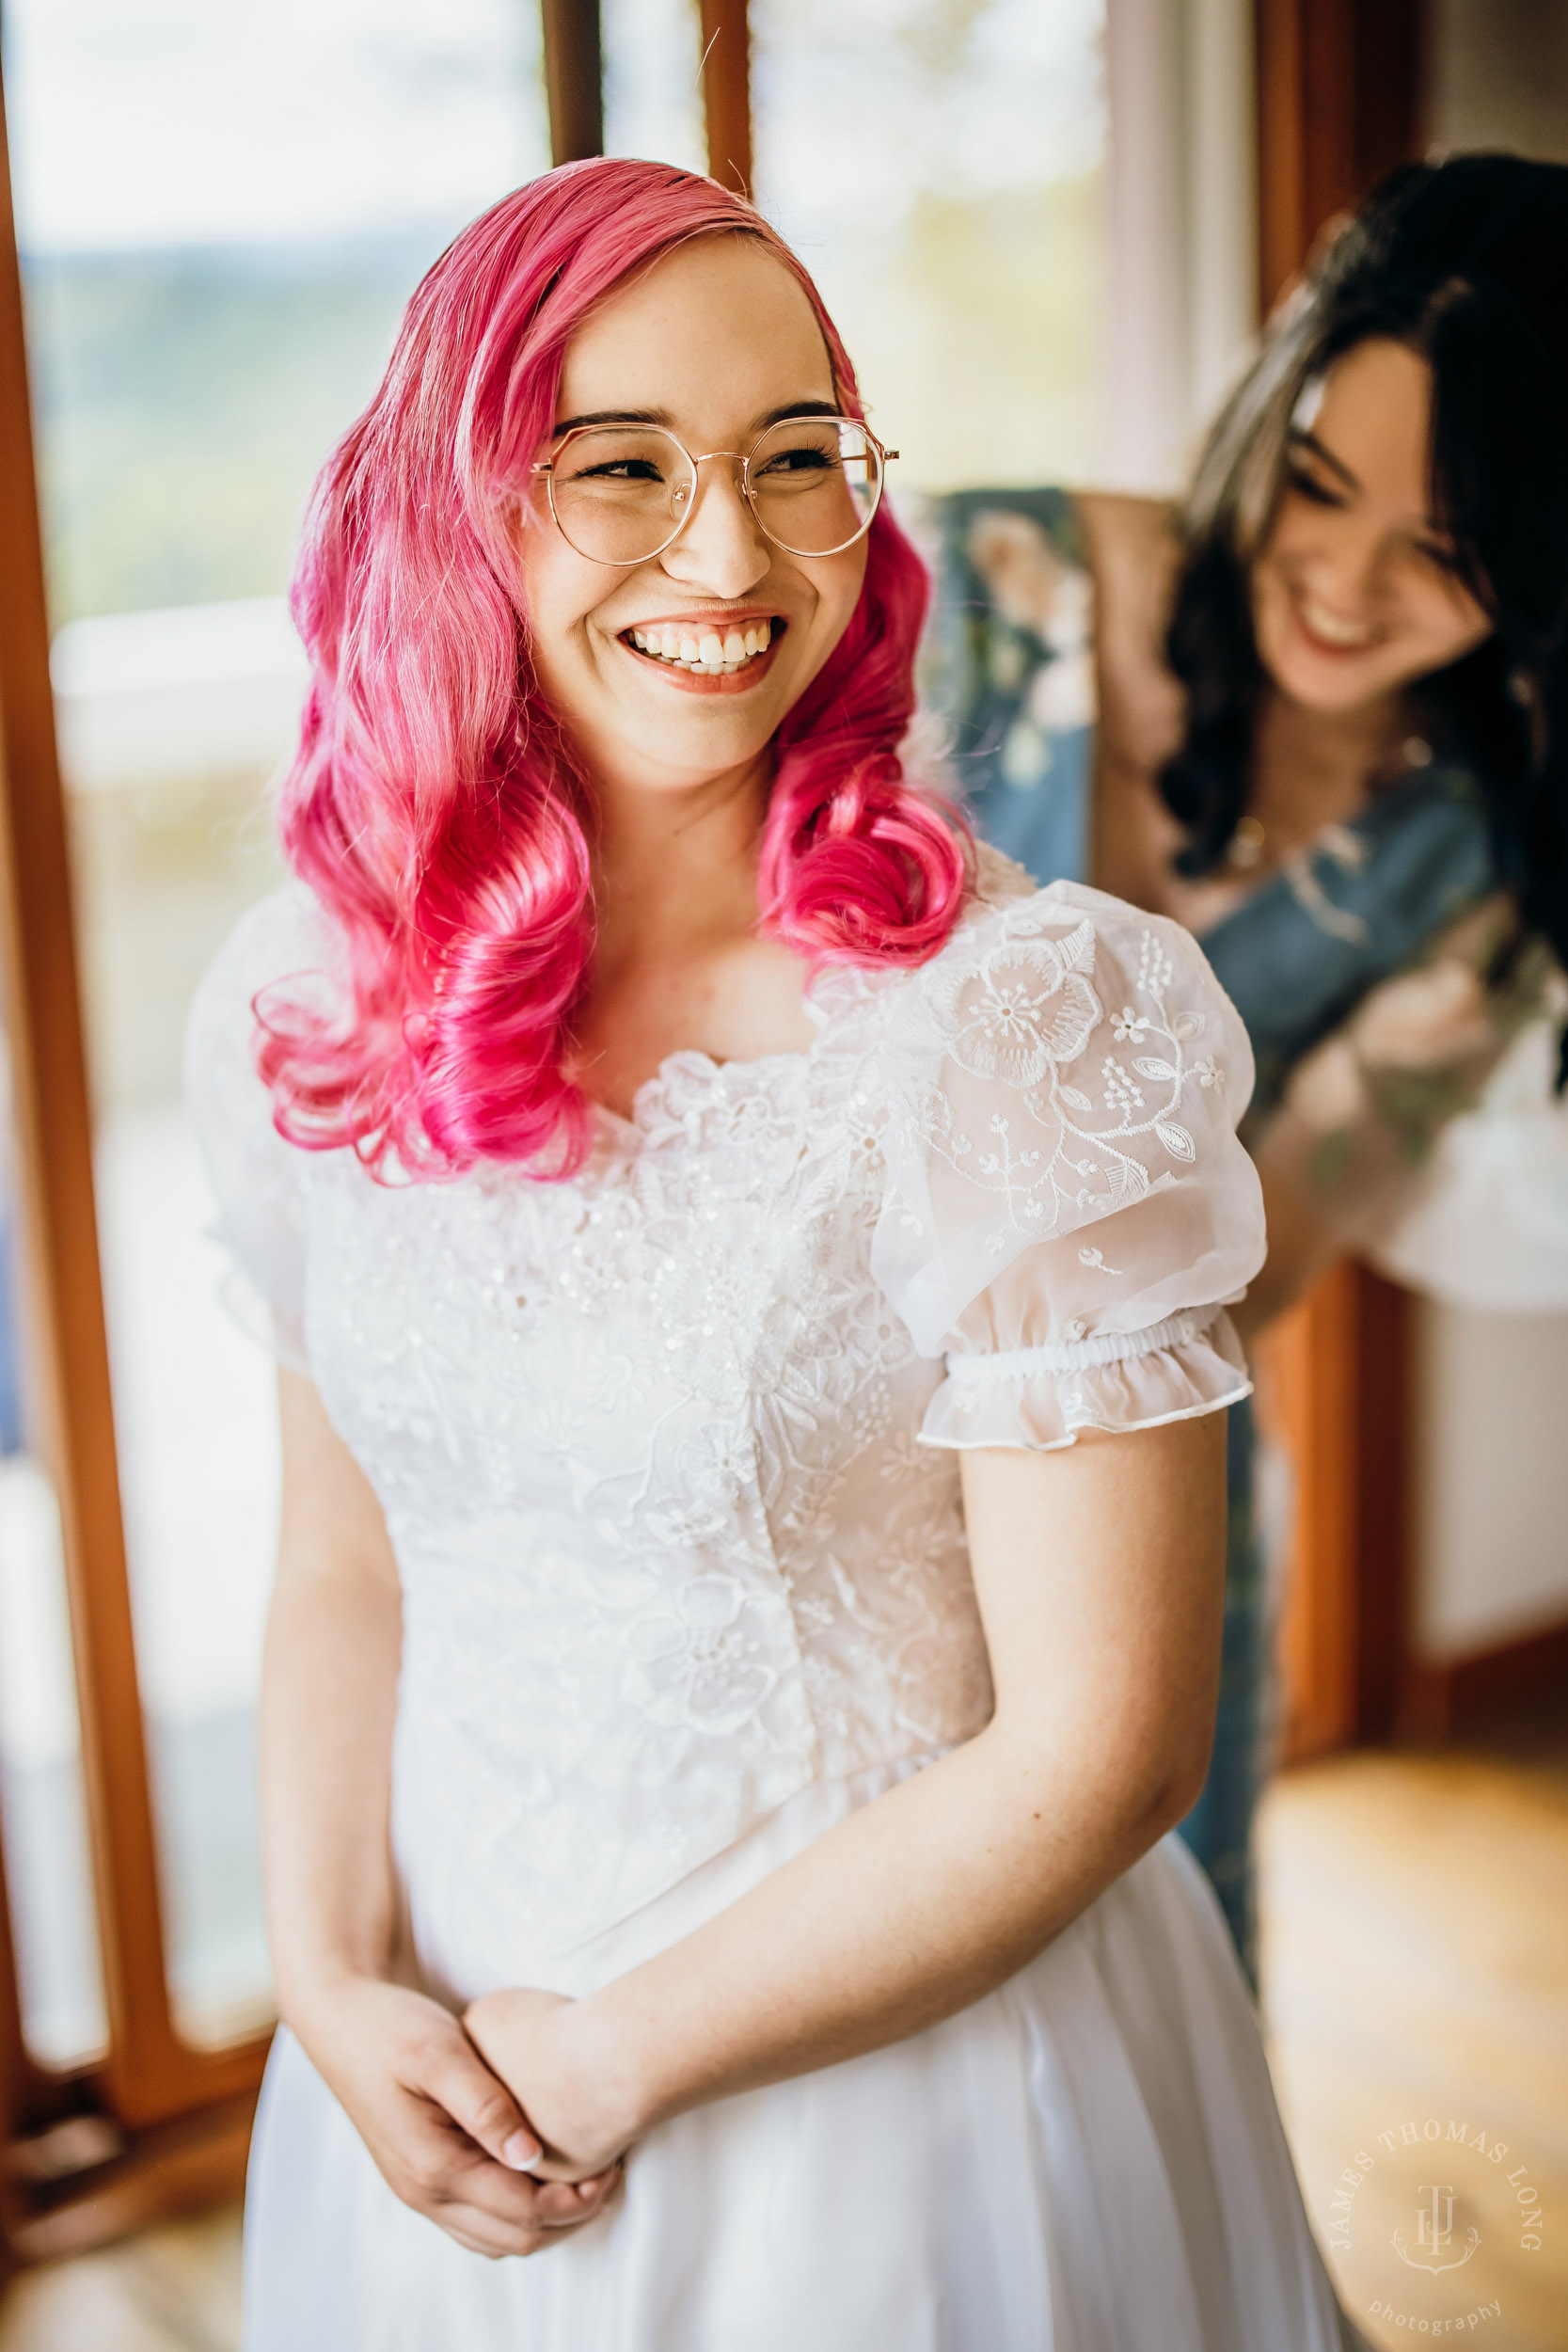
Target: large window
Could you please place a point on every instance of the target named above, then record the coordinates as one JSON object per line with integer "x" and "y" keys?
{"x": 221, "y": 212}
{"x": 938, "y": 165}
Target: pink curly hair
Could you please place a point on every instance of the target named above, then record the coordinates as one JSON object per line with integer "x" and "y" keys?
{"x": 433, "y": 806}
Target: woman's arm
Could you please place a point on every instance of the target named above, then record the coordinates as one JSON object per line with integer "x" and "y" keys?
{"x": 1100, "y": 1574}
{"x": 448, "y": 2135}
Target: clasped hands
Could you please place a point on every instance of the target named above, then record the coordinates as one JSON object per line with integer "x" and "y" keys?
{"x": 503, "y": 2129}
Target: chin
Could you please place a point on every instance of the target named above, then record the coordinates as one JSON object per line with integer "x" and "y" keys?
{"x": 1331, "y": 683}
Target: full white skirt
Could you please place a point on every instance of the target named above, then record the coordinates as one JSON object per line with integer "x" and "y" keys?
{"x": 1088, "y": 2160}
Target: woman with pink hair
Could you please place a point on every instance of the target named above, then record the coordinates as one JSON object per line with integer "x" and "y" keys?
{"x": 749, "y": 1274}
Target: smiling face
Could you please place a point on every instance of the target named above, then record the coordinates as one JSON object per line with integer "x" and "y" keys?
{"x": 1354, "y": 593}
{"x": 715, "y": 342}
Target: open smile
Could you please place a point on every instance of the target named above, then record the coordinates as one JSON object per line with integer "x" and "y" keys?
{"x": 1330, "y": 632}
{"x": 707, "y": 651}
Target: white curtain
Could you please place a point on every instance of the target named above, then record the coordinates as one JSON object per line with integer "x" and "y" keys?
{"x": 1183, "y": 215}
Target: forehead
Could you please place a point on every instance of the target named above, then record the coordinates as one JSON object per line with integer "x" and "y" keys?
{"x": 1376, "y": 419}
{"x": 715, "y": 336}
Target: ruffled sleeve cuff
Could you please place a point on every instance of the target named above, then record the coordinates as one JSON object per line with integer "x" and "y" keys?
{"x": 1039, "y": 1398}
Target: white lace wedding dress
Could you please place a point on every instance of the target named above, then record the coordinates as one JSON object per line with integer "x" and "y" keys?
{"x": 667, "y": 1458}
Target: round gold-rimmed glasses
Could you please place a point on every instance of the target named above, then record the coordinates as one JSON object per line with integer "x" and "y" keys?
{"x": 622, "y": 493}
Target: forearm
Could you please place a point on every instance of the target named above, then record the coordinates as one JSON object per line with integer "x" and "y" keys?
{"x": 906, "y": 1912}
{"x": 329, "y": 1696}
{"x": 1100, "y": 1575}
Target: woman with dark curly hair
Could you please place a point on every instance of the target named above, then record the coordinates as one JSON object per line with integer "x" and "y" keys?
{"x": 1324, "y": 724}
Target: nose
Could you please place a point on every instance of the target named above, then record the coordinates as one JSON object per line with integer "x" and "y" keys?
{"x": 722, "y": 550}
{"x": 1356, "y": 567}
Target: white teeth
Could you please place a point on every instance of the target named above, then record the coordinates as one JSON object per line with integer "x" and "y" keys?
{"x": 710, "y": 655}
{"x": 1332, "y": 629}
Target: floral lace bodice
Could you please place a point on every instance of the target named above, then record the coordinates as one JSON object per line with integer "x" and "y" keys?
{"x": 666, "y": 1452}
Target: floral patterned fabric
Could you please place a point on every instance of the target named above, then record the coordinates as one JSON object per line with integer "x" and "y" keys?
{"x": 1008, "y": 662}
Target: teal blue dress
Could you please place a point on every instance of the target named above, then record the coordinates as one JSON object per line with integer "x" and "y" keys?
{"x": 1006, "y": 630}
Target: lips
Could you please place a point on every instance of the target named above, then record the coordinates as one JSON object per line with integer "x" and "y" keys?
{"x": 1328, "y": 631}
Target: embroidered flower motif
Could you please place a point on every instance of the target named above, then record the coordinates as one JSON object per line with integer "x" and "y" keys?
{"x": 1017, "y": 1013}
{"x": 702, "y": 1659}
{"x": 1028, "y": 1006}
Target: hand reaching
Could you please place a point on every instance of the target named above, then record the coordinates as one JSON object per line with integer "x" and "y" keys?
{"x": 447, "y": 2136}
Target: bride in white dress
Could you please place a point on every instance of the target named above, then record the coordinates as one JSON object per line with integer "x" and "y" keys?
{"x": 749, "y": 1600}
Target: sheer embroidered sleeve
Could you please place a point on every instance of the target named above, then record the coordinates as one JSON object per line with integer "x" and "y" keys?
{"x": 1069, "y": 1209}
{"x": 258, "y": 1178}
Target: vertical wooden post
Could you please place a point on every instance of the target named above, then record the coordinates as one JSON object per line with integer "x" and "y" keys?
{"x": 573, "y": 78}
{"x": 150, "y": 2073}
{"x": 1335, "y": 1373}
{"x": 1339, "y": 96}
{"x": 727, "y": 92}
{"x": 1339, "y": 103}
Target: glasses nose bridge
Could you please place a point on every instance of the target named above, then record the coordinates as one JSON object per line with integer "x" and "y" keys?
{"x": 742, "y": 481}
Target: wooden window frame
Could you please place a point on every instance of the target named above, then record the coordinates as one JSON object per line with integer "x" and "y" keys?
{"x": 574, "y": 85}
{"x": 149, "y": 2078}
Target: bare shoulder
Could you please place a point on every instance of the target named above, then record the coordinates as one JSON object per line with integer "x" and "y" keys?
{"x": 1127, "y": 533}
{"x": 1134, "y": 555}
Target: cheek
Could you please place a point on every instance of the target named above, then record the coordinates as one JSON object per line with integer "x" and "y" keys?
{"x": 560, "y": 592}
{"x": 836, "y": 583}
{"x": 1448, "y": 625}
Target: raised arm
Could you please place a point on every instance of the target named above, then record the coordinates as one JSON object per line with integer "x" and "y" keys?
{"x": 447, "y": 2135}
{"x": 1100, "y": 1573}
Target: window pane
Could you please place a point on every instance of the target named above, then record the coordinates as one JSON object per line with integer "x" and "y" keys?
{"x": 938, "y": 166}
{"x": 653, "y": 101}
{"x": 222, "y": 212}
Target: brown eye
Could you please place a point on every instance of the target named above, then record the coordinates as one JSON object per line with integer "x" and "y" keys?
{"x": 1310, "y": 487}
{"x": 1441, "y": 553}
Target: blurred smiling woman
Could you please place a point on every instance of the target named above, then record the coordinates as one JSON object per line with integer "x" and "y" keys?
{"x": 1328, "y": 730}
{"x": 753, "y": 1346}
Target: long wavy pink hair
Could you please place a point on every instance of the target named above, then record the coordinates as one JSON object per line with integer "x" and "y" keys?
{"x": 433, "y": 806}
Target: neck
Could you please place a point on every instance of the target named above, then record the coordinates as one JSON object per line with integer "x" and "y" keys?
{"x": 675, "y": 869}
{"x": 1360, "y": 739}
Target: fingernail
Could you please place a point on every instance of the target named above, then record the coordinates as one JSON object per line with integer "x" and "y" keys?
{"x": 519, "y": 2152}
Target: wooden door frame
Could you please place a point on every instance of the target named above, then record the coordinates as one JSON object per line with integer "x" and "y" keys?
{"x": 1339, "y": 100}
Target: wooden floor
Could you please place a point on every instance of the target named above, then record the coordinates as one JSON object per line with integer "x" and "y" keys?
{"x": 175, "y": 2289}
{"x": 1416, "y": 1981}
{"x": 1415, "y": 1988}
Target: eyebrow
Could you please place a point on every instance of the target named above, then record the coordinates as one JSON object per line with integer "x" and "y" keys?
{"x": 1301, "y": 439}
{"x": 663, "y": 416}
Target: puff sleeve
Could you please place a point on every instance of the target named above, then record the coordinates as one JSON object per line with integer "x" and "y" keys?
{"x": 1069, "y": 1209}
{"x": 260, "y": 1181}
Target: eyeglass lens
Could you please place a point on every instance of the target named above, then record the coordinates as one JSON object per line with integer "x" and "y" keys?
{"x": 621, "y": 491}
